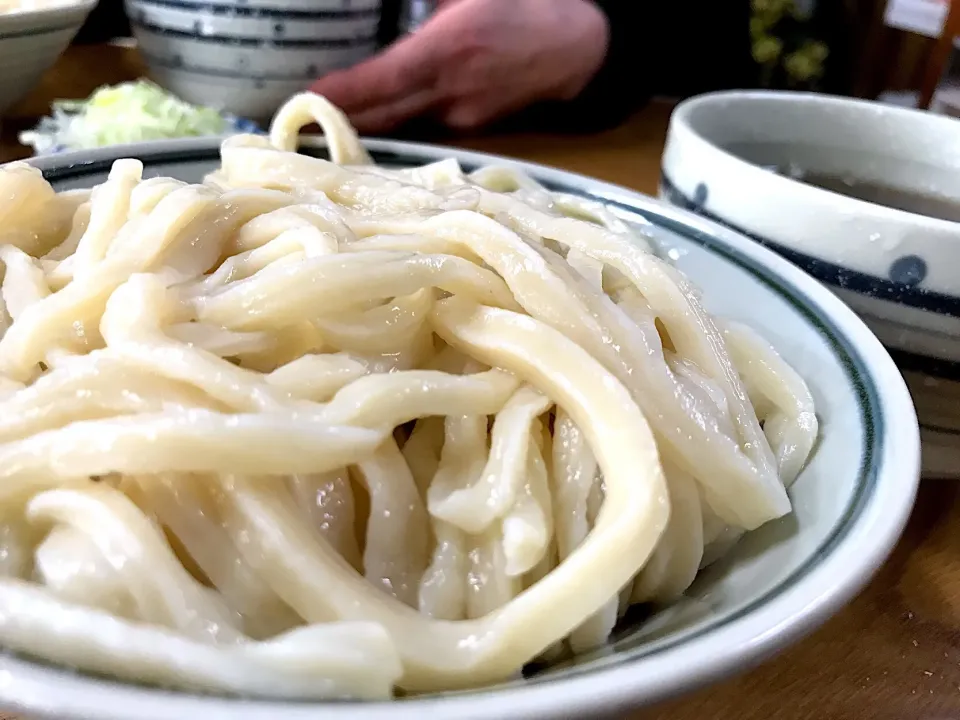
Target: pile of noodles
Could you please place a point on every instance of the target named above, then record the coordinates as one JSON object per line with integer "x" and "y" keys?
{"x": 321, "y": 429}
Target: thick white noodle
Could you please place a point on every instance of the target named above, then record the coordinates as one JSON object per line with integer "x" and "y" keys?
{"x": 783, "y": 400}
{"x": 321, "y": 429}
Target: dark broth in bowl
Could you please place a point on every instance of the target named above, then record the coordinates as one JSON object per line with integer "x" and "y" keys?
{"x": 786, "y": 161}
{"x": 935, "y": 206}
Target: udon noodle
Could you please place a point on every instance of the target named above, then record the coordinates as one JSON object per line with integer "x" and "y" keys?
{"x": 324, "y": 429}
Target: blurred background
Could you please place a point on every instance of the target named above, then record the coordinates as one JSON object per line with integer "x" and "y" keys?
{"x": 866, "y": 48}
{"x": 893, "y": 50}
{"x": 246, "y": 57}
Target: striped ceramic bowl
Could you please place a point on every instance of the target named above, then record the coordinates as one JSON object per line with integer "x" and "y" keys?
{"x": 247, "y": 56}
{"x": 31, "y": 42}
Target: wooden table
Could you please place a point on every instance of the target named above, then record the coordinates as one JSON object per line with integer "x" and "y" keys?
{"x": 892, "y": 654}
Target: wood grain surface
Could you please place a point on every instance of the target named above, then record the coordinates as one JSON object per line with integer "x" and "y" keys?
{"x": 892, "y": 654}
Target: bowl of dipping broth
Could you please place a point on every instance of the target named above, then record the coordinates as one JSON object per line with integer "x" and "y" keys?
{"x": 865, "y": 198}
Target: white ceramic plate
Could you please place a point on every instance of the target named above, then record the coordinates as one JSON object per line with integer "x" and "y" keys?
{"x": 779, "y": 582}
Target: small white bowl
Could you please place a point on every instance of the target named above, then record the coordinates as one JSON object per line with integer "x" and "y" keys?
{"x": 897, "y": 269}
{"x": 30, "y": 43}
{"x": 248, "y": 56}
{"x": 779, "y": 582}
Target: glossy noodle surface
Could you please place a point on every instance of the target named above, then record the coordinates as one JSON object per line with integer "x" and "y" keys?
{"x": 319, "y": 429}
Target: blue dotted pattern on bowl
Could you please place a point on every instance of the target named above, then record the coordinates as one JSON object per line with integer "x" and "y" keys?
{"x": 903, "y": 284}
{"x": 909, "y": 270}
{"x": 243, "y": 125}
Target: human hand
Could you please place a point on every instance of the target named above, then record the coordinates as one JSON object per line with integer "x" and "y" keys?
{"x": 473, "y": 62}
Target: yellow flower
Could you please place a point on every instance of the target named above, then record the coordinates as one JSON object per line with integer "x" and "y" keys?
{"x": 771, "y": 11}
{"x": 758, "y": 28}
{"x": 767, "y": 49}
{"x": 818, "y": 50}
{"x": 806, "y": 63}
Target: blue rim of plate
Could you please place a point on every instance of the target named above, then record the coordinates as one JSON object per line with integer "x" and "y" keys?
{"x": 858, "y": 375}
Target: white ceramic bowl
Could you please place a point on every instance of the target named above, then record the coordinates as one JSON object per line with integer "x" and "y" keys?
{"x": 897, "y": 269}
{"x": 31, "y": 42}
{"x": 248, "y": 56}
{"x": 779, "y": 582}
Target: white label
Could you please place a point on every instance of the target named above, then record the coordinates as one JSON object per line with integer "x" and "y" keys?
{"x": 920, "y": 16}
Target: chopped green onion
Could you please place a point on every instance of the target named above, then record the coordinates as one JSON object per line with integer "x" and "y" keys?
{"x": 125, "y": 113}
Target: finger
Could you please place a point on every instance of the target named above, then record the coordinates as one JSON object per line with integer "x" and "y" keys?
{"x": 383, "y": 118}
{"x": 475, "y": 111}
{"x": 406, "y": 67}
{"x": 468, "y": 116}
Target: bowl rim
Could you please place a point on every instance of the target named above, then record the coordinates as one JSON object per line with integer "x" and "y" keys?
{"x": 834, "y": 241}
{"x": 736, "y": 645}
{"x": 37, "y": 21}
{"x": 683, "y": 121}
